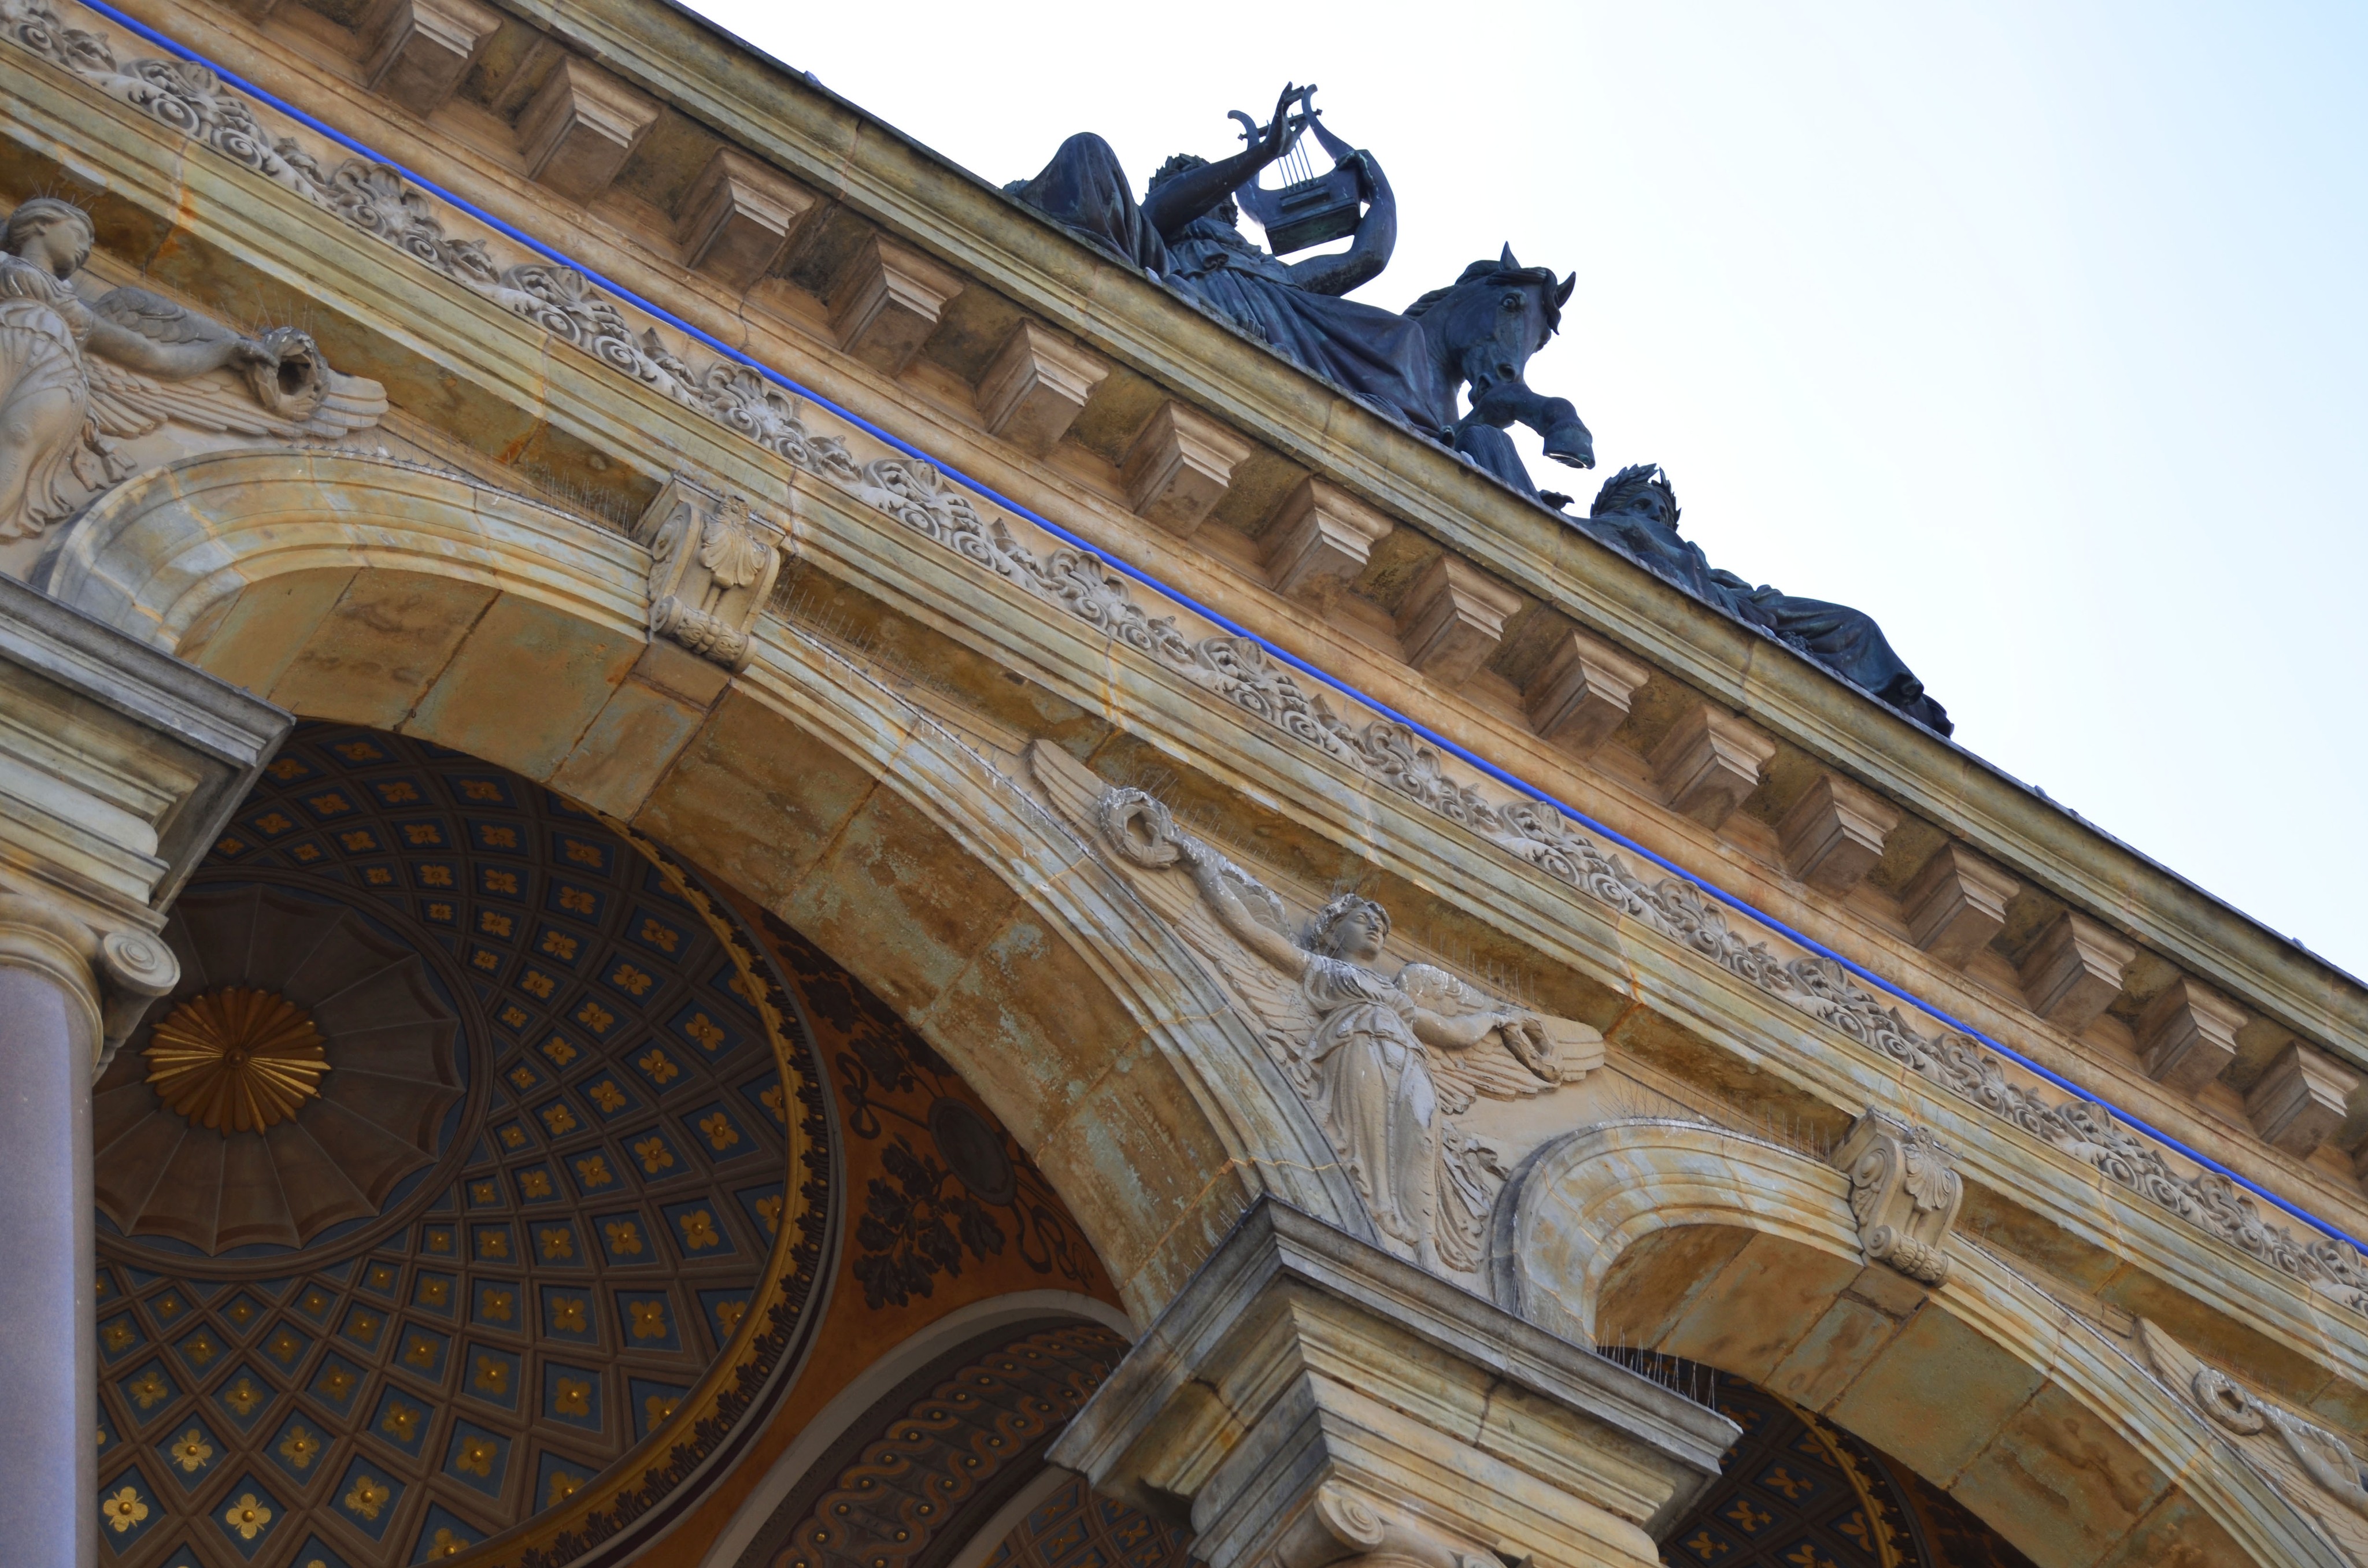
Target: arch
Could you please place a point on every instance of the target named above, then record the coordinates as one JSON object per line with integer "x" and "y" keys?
{"x": 389, "y": 592}
{"x": 1733, "y": 1251}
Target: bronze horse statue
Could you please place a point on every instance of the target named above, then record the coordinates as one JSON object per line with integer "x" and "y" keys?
{"x": 1479, "y": 331}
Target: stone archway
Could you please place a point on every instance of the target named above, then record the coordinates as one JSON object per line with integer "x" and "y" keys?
{"x": 386, "y": 593}
{"x": 1732, "y": 1251}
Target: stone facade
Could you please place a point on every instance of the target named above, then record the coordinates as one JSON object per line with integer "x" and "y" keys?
{"x": 1160, "y": 969}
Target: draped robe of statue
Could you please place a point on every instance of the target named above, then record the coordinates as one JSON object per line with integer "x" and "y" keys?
{"x": 1376, "y": 356}
{"x": 1374, "y": 1093}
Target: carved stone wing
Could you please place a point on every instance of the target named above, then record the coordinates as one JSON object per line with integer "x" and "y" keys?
{"x": 1273, "y": 1002}
{"x": 1489, "y": 1070}
{"x": 297, "y": 396}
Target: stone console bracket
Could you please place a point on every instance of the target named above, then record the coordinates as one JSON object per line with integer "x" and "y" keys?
{"x": 1313, "y": 1399}
{"x": 713, "y": 560}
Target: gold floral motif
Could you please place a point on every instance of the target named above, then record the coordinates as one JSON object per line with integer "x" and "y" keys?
{"x": 367, "y": 1496}
{"x": 660, "y": 1068}
{"x": 658, "y": 1406}
{"x": 446, "y": 1544}
{"x": 557, "y": 1243}
{"x": 698, "y": 1231}
{"x": 147, "y": 1389}
{"x": 124, "y": 1510}
{"x": 247, "y": 1516}
{"x": 624, "y": 1236}
{"x": 649, "y": 1320}
{"x": 190, "y": 1451}
{"x": 654, "y": 1154}
{"x": 401, "y": 1422}
{"x": 535, "y": 1184}
{"x": 721, "y": 1133}
{"x": 729, "y": 1313}
{"x": 475, "y": 1456}
{"x": 769, "y": 1209}
{"x": 236, "y": 1059}
{"x": 562, "y": 1487}
{"x": 570, "y": 1397}
{"x": 567, "y": 1314}
{"x": 608, "y": 1096}
{"x": 300, "y": 1446}
{"x": 492, "y": 1377}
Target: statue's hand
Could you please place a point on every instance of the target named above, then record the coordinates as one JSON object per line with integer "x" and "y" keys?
{"x": 253, "y": 351}
{"x": 1362, "y": 162}
{"x": 1277, "y": 132}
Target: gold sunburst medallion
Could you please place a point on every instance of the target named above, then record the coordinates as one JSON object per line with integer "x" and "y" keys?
{"x": 236, "y": 1059}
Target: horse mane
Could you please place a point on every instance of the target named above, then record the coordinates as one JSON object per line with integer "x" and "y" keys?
{"x": 1502, "y": 271}
{"x": 1637, "y": 490}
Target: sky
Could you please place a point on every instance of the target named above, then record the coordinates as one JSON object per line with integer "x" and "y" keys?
{"x": 2038, "y": 332}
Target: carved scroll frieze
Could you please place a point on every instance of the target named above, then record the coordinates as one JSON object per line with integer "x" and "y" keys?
{"x": 190, "y": 100}
{"x": 712, "y": 564}
{"x": 2314, "y": 1467}
{"x": 1905, "y": 1193}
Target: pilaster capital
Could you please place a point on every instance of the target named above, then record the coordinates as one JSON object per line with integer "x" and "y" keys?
{"x": 1317, "y": 1401}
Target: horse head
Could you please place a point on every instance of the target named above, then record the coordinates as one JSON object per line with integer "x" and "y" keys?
{"x": 1482, "y": 330}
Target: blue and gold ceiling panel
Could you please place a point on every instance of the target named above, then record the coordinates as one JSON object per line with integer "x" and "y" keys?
{"x": 482, "y": 1197}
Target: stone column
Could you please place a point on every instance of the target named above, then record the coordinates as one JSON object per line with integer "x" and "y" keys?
{"x": 1309, "y": 1399}
{"x": 118, "y": 766}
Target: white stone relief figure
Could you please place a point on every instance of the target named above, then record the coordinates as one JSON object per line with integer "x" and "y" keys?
{"x": 75, "y": 372}
{"x": 1385, "y": 1063}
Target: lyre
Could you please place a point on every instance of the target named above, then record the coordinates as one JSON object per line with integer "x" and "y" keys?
{"x": 1309, "y": 209}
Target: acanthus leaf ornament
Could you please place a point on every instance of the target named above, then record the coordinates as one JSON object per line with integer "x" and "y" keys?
{"x": 1905, "y": 1193}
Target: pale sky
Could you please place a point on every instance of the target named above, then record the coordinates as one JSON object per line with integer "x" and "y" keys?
{"x": 2036, "y": 331}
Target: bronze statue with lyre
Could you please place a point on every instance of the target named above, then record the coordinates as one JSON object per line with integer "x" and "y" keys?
{"x": 1479, "y": 331}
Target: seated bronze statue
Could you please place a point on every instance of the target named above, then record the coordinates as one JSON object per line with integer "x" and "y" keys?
{"x": 1480, "y": 331}
{"x": 1636, "y": 513}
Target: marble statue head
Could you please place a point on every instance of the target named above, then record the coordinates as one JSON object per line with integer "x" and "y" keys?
{"x": 51, "y": 233}
{"x": 1348, "y": 928}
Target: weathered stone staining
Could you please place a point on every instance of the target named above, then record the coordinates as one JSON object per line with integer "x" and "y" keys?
{"x": 1957, "y": 905}
{"x": 580, "y": 128}
{"x": 2187, "y": 1037}
{"x": 1036, "y": 388}
{"x": 1179, "y": 466}
{"x": 2074, "y": 970}
{"x": 1453, "y": 618}
{"x": 1905, "y": 1193}
{"x": 739, "y": 217}
{"x": 2302, "y": 1098}
{"x": 1834, "y": 833}
{"x": 1292, "y": 1000}
{"x": 1583, "y": 692}
{"x": 1321, "y": 539}
{"x": 415, "y": 52}
{"x": 1709, "y": 761}
{"x": 888, "y": 302}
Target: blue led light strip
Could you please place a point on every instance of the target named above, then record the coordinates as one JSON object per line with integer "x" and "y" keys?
{"x": 175, "y": 47}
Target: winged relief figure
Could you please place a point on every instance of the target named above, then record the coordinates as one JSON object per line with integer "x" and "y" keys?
{"x": 76, "y": 374}
{"x": 1386, "y": 1063}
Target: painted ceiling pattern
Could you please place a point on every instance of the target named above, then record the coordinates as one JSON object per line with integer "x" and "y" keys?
{"x": 1796, "y": 1492}
{"x": 1079, "y": 1527}
{"x": 532, "y": 1218}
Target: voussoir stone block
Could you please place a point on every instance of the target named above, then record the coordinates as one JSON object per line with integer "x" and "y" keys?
{"x": 1708, "y": 762}
{"x": 736, "y": 220}
{"x": 580, "y": 128}
{"x": 1582, "y": 693}
{"x": 1452, "y": 619}
{"x": 2188, "y": 1035}
{"x": 415, "y": 52}
{"x": 2300, "y": 1099}
{"x": 1037, "y": 387}
{"x": 888, "y": 302}
{"x": 1321, "y": 536}
{"x": 1834, "y": 834}
{"x": 1957, "y": 905}
{"x": 2075, "y": 971}
{"x": 1179, "y": 468}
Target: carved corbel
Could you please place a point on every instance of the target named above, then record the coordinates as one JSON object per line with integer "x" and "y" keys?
{"x": 581, "y": 127}
{"x": 1321, "y": 537}
{"x": 1453, "y": 618}
{"x": 1037, "y": 387}
{"x": 1708, "y": 762}
{"x": 713, "y": 563}
{"x": 2300, "y": 1100}
{"x": 1905, "y": 1193}
{"x": 2188, "y": 1035}
{"x": 886, "y": 304}
{"x": 1179, "y": 467}
{"x": 737, "y": 218}
{"x": 1834, "y": 834}
{"x": 1957, "y": 903}
{"x": 415, "y": 52}
{"x": 2075, "y": 971}
{"x": 1582, "y": 693}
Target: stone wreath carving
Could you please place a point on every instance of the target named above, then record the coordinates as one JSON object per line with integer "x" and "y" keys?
{"x": 376, "y": 198}
{"x": 2314, "y": 1467}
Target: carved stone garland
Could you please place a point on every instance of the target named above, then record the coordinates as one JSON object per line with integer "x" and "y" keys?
{"x": 375, "y": 197}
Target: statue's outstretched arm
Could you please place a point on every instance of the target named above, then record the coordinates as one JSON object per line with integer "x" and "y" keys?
{"x": 1369, "y": 253}
{"x": 1189, "y": 195}
{"x": 1463, "y": 1030}
{"x": 153, "y": 335}
{"x": 1208, "y": 869}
